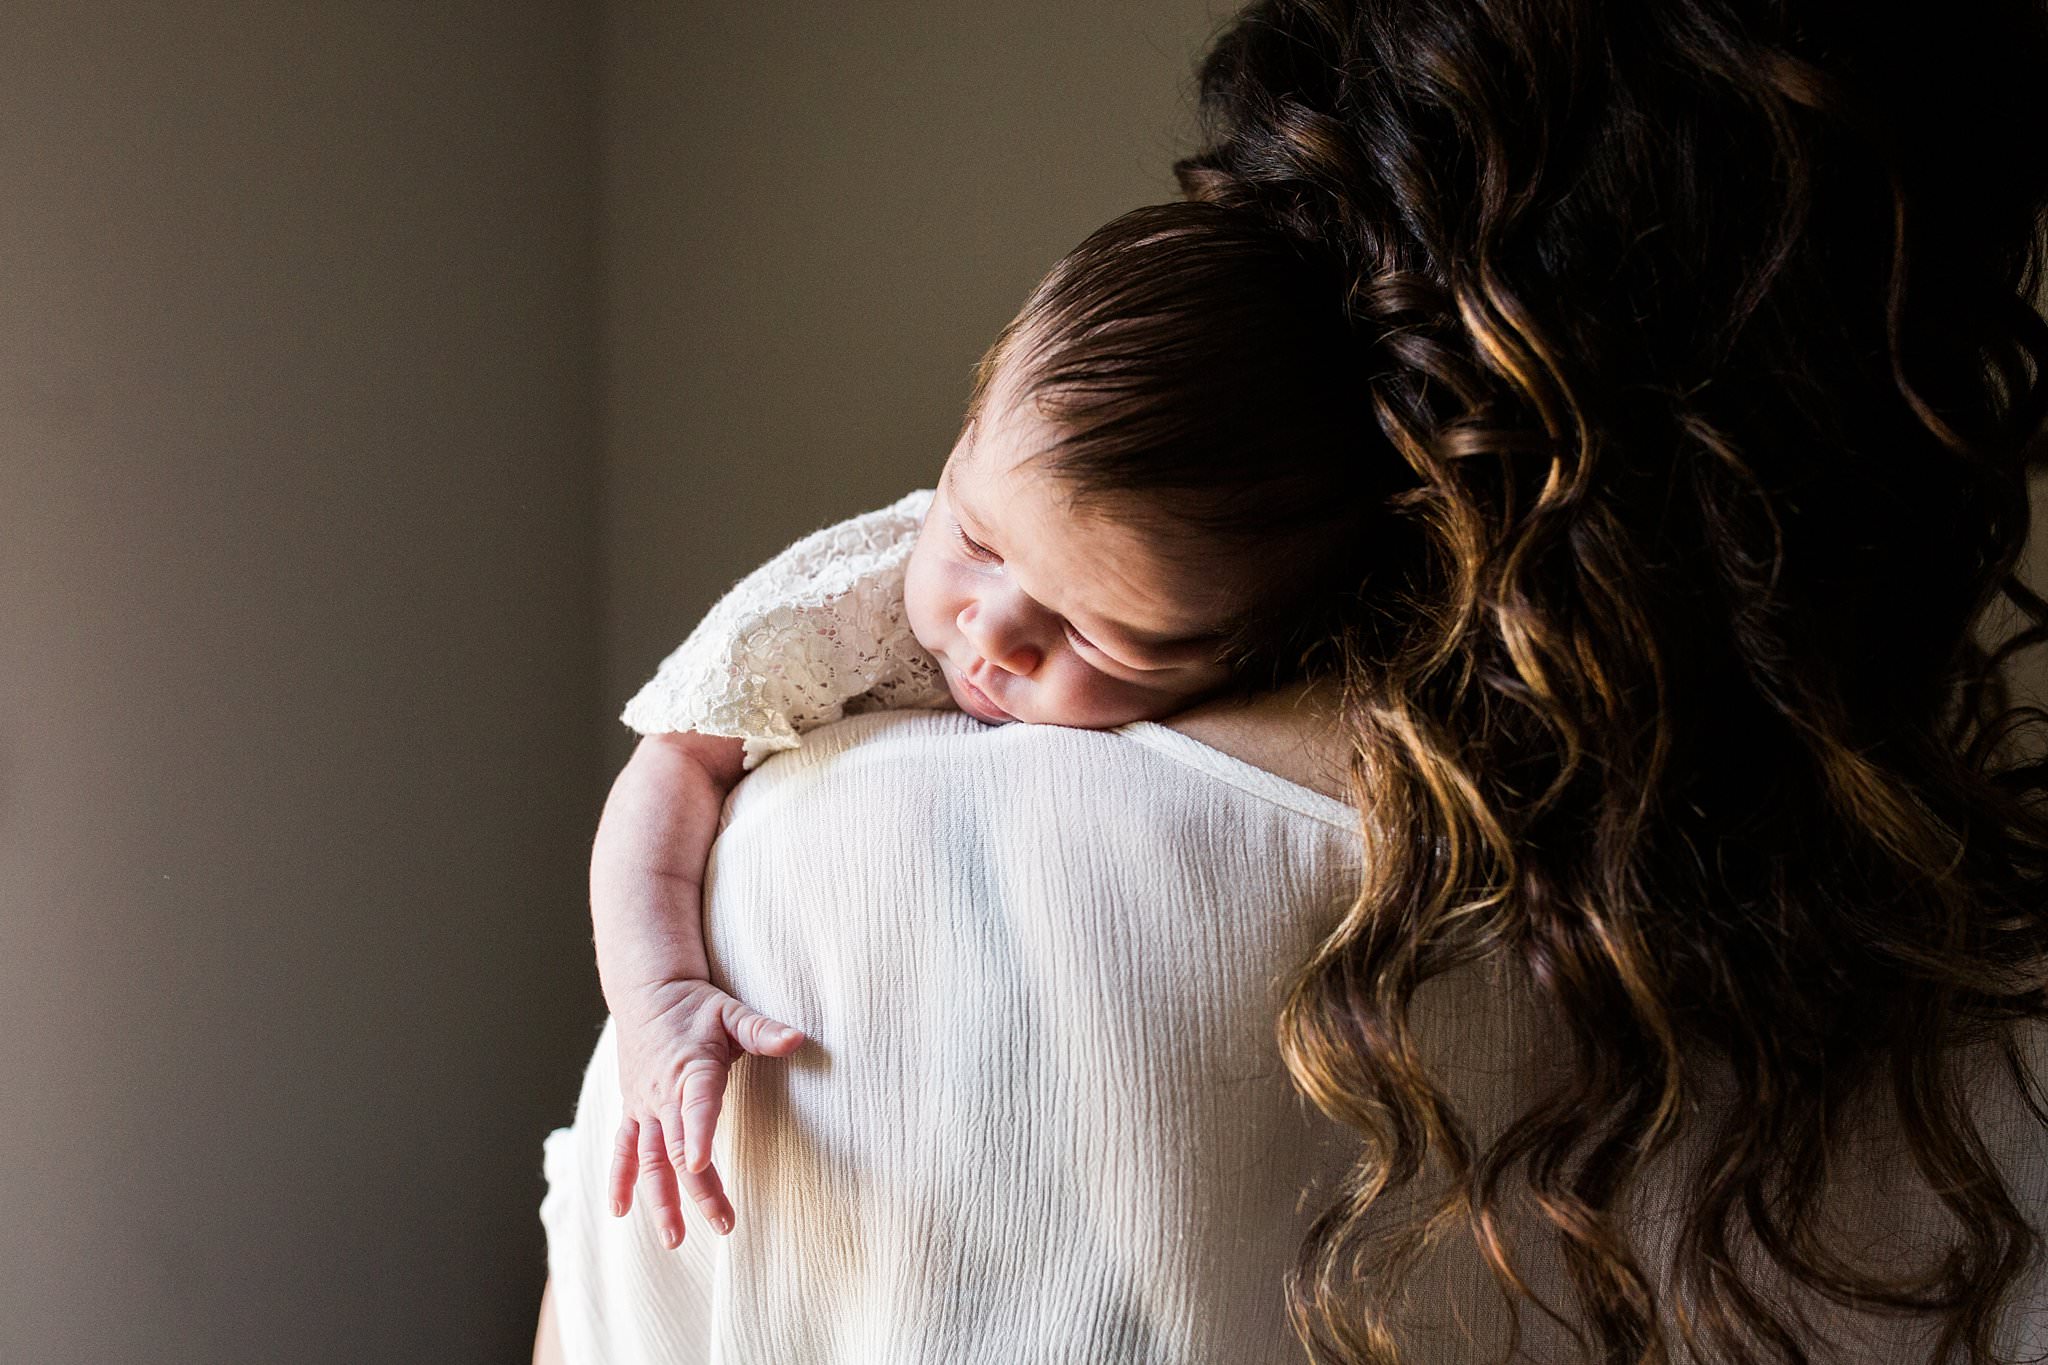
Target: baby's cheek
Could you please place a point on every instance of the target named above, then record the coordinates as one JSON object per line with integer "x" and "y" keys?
{"x": 922, "y": 606}
{"x": 1093, "y": 700}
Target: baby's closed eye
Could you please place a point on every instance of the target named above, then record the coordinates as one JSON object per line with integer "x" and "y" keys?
{"x": 1086, "y": 646}
{"x": 974, "y": 547}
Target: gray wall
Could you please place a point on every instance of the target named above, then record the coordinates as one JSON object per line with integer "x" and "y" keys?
{"x": 299, "y": 650}
{"x": 383, "y": 388}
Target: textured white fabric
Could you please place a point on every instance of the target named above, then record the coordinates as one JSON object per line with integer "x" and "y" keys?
{"x": 1042, "y": 1117}
{"x": 816, "y": 633}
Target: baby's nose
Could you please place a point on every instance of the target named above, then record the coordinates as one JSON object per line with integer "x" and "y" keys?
{"x": 1001, "y": 639}
{"x": 1023, "y": 659}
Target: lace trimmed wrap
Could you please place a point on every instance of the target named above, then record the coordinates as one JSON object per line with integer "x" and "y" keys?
{"x": 817, "y": 633}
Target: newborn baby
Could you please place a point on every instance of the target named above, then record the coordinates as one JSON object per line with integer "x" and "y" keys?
{"x": 1155, "y": 498}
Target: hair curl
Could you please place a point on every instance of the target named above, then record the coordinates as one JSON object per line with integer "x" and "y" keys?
{"x": 1704, "y": 328}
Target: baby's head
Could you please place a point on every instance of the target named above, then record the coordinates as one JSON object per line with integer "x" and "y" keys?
{"x": 1160, "y": 487}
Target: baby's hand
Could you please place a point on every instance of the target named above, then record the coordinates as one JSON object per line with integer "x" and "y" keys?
{"x": 675, "y": 1045}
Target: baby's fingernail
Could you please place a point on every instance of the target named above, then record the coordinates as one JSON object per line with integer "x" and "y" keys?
{"x": 669, "y": 1238}
{"x": 618, "y": 1208}
{"x": 722, "y": 1223}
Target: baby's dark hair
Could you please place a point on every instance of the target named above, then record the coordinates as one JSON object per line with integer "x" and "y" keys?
{"x": 1203, "y": 379}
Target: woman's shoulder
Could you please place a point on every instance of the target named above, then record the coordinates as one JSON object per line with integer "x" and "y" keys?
{"x": 1292, "y": 734}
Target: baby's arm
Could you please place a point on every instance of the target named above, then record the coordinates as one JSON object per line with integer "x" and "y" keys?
{"x": 677, "y": 1033}
{"x": 816, "y": 632}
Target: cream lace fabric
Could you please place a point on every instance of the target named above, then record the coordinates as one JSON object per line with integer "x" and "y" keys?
{"x": 815, "y": 634}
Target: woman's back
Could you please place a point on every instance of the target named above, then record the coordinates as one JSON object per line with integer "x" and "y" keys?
{"x": 1043, "y": 1116}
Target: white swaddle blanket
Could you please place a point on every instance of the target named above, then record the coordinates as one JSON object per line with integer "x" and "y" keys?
{"x": 1042, "y": 1116}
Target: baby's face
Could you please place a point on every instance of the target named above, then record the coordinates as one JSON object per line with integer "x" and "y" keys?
{"x": 1038, "y": 616}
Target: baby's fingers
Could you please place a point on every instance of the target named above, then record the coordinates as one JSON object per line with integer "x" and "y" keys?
{"x": 709, "y": 1191}
{"x": 658, "y": 1188}
{"x": 756, "y": 1032}
{"x": 703, "y": 1094}
{"x": 703, "y": 1186}
{"x": 625, "y": 1165}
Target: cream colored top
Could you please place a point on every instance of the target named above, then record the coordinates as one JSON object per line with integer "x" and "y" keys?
{"x": 1042, "y": 1117}
{"x": 817, "y": 632}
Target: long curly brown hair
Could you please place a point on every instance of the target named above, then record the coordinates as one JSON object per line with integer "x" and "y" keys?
{"x": 1705, "y": 329}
